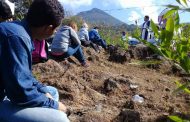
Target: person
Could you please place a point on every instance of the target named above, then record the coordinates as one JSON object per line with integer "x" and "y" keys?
{"x": 133, "y": 41}
{"x": 123, "y": 36}
{"x": 66, "y": 43}
{"x": 22, "y": 97}
{"x": 95, "y": 38}
{"x": 84, "y": 38}
{"x": 161, "y": 20}
{"x": 145, "y": 28}
{"x": 6, "y": 14}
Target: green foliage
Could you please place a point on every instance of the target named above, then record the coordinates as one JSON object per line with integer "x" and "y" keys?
{"x": 146, "y": 62}
{"x": 177, "y": 119}
{"x": 136, "y": 32}
{"x": 22, "y": 8}
{"x": 113, "y": 37}
{"x": 182, "y": 87}
{"x": 178, "y": 52}
{"x": 185, "y": 31}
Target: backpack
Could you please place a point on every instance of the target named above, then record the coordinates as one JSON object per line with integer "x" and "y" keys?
{"x": 40, "y": 52}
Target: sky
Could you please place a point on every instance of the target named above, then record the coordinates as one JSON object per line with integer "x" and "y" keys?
{"x": 125, "y": 10}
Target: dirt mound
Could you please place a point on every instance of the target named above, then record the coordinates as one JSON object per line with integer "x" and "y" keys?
{"x": 104, "y": 91}
{"x": 140, "y": 51}
{"x": 117, "y": 54}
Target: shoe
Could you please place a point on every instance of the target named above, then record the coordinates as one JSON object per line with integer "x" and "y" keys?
{"x": 85, "y": 64}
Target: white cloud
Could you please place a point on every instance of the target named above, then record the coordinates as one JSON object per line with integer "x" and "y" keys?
{"x": 145, "y": 7}
{"x": 134, "y": 16}
{"x": 142, "y": 7}
{"x": 76, "y": 3}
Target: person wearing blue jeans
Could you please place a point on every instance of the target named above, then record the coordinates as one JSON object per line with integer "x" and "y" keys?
{"x": 76, "y": 51}
{"x": 95, "y": 38}
{"x": 11, "y": 113}
{"x": 66, "y": 43}
{"x": 27, "y": 99}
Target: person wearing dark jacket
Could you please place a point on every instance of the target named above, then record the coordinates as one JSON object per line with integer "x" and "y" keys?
{"x": 22, "y": 97}
{"x": 95, "y": 38}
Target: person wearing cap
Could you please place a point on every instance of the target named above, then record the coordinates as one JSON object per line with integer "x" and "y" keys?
{"x": 95, "y": 38}
{"x": 84, "y": 38}
{"x": 6, "y": 14}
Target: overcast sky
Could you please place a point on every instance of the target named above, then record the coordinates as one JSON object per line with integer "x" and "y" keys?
{"x": 125, "y": 10}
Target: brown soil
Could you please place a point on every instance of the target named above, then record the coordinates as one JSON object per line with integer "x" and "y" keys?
{"x": 102, "y": 93}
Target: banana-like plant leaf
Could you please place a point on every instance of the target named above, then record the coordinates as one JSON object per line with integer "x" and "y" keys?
{"x": 185, "y": 62}
{"x": 175, "y": 119}
{"x": 177, "y": 20}
{"x": 154, "y": 28}
{"x": 185, "y": 1}
{"x": 178, "y": 1}
{"x": 169, "y": 29}
{"x": 173, "y": 7}
{"x": 170, "y": 13}
{"x": 181, "y": 87}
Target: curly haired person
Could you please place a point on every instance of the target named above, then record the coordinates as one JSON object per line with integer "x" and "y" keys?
{"x": 22, "y": 97}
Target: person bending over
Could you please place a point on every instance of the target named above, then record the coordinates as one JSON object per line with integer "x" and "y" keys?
{"x": 66, "y": 43}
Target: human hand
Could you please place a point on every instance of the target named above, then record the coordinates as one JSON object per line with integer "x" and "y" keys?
{"x": 62, "y": 107}
{"x": 49, "y": 95}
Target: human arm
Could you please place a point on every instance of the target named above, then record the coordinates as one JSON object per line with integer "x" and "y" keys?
{"x": 86, "y": 35}
{"x": 74, "y": 37}
{"x": 96, "y": 35}
{"x": 20, "y": 85}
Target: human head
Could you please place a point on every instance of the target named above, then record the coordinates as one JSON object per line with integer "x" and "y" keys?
{"x": 123, "y": 33}
{"x": 146, "y": 18}
{"x": 44, "y": 16}
{"x": 84, "y": 25}
{"x": 96, "y": 28}
{"x": 73, "y": 25}
{"x": 5, "y": 12}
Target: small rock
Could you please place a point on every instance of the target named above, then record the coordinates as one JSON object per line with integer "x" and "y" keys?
{"x": 167, "y": 89}
{"x": 129, "y": 116}
{"x": 129, "y": 105}
{"x": 110, "y": 85}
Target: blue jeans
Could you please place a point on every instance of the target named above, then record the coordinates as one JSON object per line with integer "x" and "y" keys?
{"x": 54, "y": 92}
{"x": 100, "y": 42}
{"x": 73, "y": 50}
{"x": 13, "y": 113}
{"x": 76, "y": 51}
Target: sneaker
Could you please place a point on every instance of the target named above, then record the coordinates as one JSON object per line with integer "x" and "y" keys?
{"x": 85, "y": 64}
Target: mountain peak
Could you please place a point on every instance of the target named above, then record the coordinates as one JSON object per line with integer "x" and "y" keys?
{"x": 97, "y": 16}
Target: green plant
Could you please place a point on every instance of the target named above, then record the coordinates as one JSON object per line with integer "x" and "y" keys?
{"x": 178, "y": 52}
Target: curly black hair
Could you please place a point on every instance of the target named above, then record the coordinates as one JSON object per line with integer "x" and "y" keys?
{"x": 45, "y": 12}
{"x": 5, "y": 11}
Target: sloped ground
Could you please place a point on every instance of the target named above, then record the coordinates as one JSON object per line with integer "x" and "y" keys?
{"x": 102, "y": 93}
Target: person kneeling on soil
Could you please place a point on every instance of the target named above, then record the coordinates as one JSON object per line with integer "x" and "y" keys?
{"x": 84, "y": 38}
{"x": 22, "y": 97}
{"x": 95, "y": 38}
{"x": 66, "y": 43}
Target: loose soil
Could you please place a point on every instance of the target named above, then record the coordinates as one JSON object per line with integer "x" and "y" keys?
{"x": 102, "y": 93}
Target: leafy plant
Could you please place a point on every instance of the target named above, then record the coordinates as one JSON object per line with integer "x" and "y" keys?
{"x": 174, "y": 45}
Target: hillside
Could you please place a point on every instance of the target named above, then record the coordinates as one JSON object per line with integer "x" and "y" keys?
{"x": 97, "y": 16}
{"x": 104, "y": 91}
